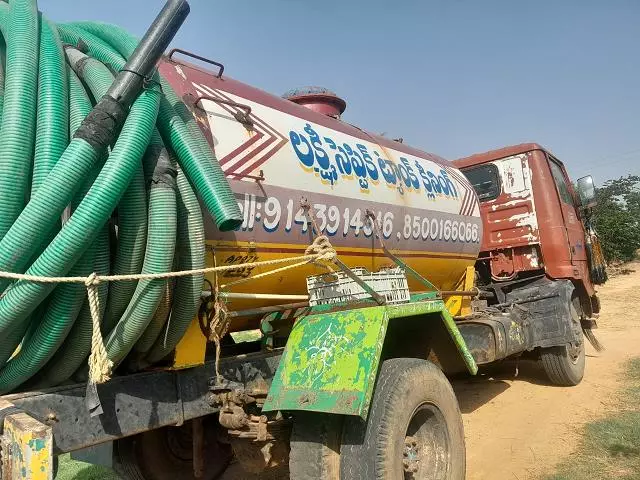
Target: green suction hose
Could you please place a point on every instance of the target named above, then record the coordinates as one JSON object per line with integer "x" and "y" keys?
{"x": 132, "y": 209}
{"x": 2, "y": 67}
{"x": 52, "y": 131}
{"x": 66, "y": 300}
{"x": 158, "y": 254}
{"x": 188, "y": 289}
{"x": 19, "y": 27}
{"x": 74, "y": 351}
{"x": 115, "y": 170}
{"x": 199, "y": 164}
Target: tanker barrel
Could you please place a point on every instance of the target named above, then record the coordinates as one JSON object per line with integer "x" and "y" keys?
{"x": 143, "y": 60}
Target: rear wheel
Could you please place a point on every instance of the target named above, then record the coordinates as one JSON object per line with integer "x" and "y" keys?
{"x": 167, "y": 454}
{"x": 414, "y": 430}
{"x": 564, "y": 365}
{"x": 315, "y": 446}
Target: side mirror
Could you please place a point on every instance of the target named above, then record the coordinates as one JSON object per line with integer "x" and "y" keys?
{"x": 586, "y": 191}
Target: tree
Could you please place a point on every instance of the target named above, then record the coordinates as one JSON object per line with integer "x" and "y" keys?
{"x": 617, "y": 217}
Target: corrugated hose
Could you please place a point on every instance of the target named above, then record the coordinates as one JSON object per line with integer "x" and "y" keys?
{"x": 98, "y": 176}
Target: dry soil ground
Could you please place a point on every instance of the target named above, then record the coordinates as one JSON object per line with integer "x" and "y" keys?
{"x": 519, "y": 428}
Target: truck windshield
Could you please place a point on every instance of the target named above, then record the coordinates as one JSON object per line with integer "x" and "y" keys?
{"x": 485, "y": 180}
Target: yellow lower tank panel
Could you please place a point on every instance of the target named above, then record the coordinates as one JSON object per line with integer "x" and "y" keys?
{"x": 191, "y": 349}
{"x": 437, "y": 267}
{"x": 459, "y": 305}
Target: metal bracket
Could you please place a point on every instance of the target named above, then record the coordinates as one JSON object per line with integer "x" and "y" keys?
{"x": 197, "y": 57}
{"x": 243, "y": 117}
{"x": 258, "y": 178}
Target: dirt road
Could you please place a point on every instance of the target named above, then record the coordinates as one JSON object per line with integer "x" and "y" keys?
{"x": 519, "y": 428}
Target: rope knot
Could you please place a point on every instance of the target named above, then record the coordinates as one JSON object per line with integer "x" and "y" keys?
{"x": 322, "y": 247}
{"x": 92, "y": 280}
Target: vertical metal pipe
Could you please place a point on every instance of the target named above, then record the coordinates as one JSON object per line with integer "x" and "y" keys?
{"x": 127, "y": 84}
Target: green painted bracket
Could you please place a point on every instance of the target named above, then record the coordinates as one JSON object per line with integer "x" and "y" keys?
{"x": 331, "y": 359}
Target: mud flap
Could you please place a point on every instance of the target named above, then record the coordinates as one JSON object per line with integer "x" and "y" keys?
{"x": 330, "y": 363}
{"x": 331, "y": 359}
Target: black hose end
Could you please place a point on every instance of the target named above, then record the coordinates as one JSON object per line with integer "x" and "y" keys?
{"x": 229, "y": 224}
{"x": 159, "y": 169}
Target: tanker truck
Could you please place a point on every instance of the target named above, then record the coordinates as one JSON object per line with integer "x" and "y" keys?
{"x": 262, "y": 290}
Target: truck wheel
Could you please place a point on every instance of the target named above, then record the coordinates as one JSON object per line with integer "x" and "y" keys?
{"x": 414, "y": 429}
{"x": 564, "y": 365}
{"x": 167, "y": 454}
{"x": 315, "y": 446}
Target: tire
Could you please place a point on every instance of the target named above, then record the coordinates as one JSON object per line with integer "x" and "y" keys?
{"x": 414, "y": 424}
{"x": 165, "y": 454}
{"x": 315, "y": 446}
{"x": 564, "y": 365}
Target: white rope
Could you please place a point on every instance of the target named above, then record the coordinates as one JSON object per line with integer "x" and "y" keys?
{"x": 100, "y": 366}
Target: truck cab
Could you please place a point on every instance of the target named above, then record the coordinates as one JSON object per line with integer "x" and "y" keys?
{"x": 537, "y": 235}
{"x": 532, "y": 218}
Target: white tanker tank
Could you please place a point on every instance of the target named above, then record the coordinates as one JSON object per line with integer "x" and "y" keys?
{"x": 278, "y": 152}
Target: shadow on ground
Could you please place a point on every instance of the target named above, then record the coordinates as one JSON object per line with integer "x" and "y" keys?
{"x": 490, "y": 382}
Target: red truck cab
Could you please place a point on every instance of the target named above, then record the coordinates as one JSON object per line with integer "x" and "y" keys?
{"x": 536, "y": 265}
{"x": 532, "y": 218}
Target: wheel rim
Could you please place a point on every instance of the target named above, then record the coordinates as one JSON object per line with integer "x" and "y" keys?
{"x": 426, "y": 453}
{"x": 574, "y": 351}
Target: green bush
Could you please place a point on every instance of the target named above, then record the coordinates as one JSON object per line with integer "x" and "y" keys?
{"x": 617, "y": 217}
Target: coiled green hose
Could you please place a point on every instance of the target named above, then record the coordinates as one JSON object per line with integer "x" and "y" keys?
{"x": 47, "y": 169}
{"x": 19, "y": 27}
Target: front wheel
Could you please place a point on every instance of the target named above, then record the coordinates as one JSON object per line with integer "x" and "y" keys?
{"x": 564, "y": 365}
{"x": 414, "y": 430}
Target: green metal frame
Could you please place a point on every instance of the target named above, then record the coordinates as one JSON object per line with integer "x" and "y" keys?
{"x": 332, "y": 355}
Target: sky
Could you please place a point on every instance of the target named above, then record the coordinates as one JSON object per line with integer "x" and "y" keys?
{"x": 452, "y": 77}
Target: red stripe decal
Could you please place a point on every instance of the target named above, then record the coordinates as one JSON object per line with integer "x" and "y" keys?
{"x": 269, "y": 154}
{"x": 231, "y": 155}
{"x": 250, "y": 155}
{"x": 465, "y": 201}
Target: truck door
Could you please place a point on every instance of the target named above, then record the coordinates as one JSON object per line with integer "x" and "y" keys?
{"x": 572, "y": 223}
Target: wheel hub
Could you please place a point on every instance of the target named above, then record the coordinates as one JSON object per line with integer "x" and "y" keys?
{"x": 410, "y": 455}
{"x": 425, "y": 454}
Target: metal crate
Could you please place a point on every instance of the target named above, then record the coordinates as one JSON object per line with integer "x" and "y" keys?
{"x": 337, "y": 287}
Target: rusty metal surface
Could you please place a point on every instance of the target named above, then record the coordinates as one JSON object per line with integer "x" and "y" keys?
{"x": 558, "y": 236}
{"x": 331, "y": 360}
{"x": 492, "y": 155}
{"x": 27, "y": 447}
{"x": 330, "y": 363}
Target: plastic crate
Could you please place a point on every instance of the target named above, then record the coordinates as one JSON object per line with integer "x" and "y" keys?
{"x": 337, "y": 287}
